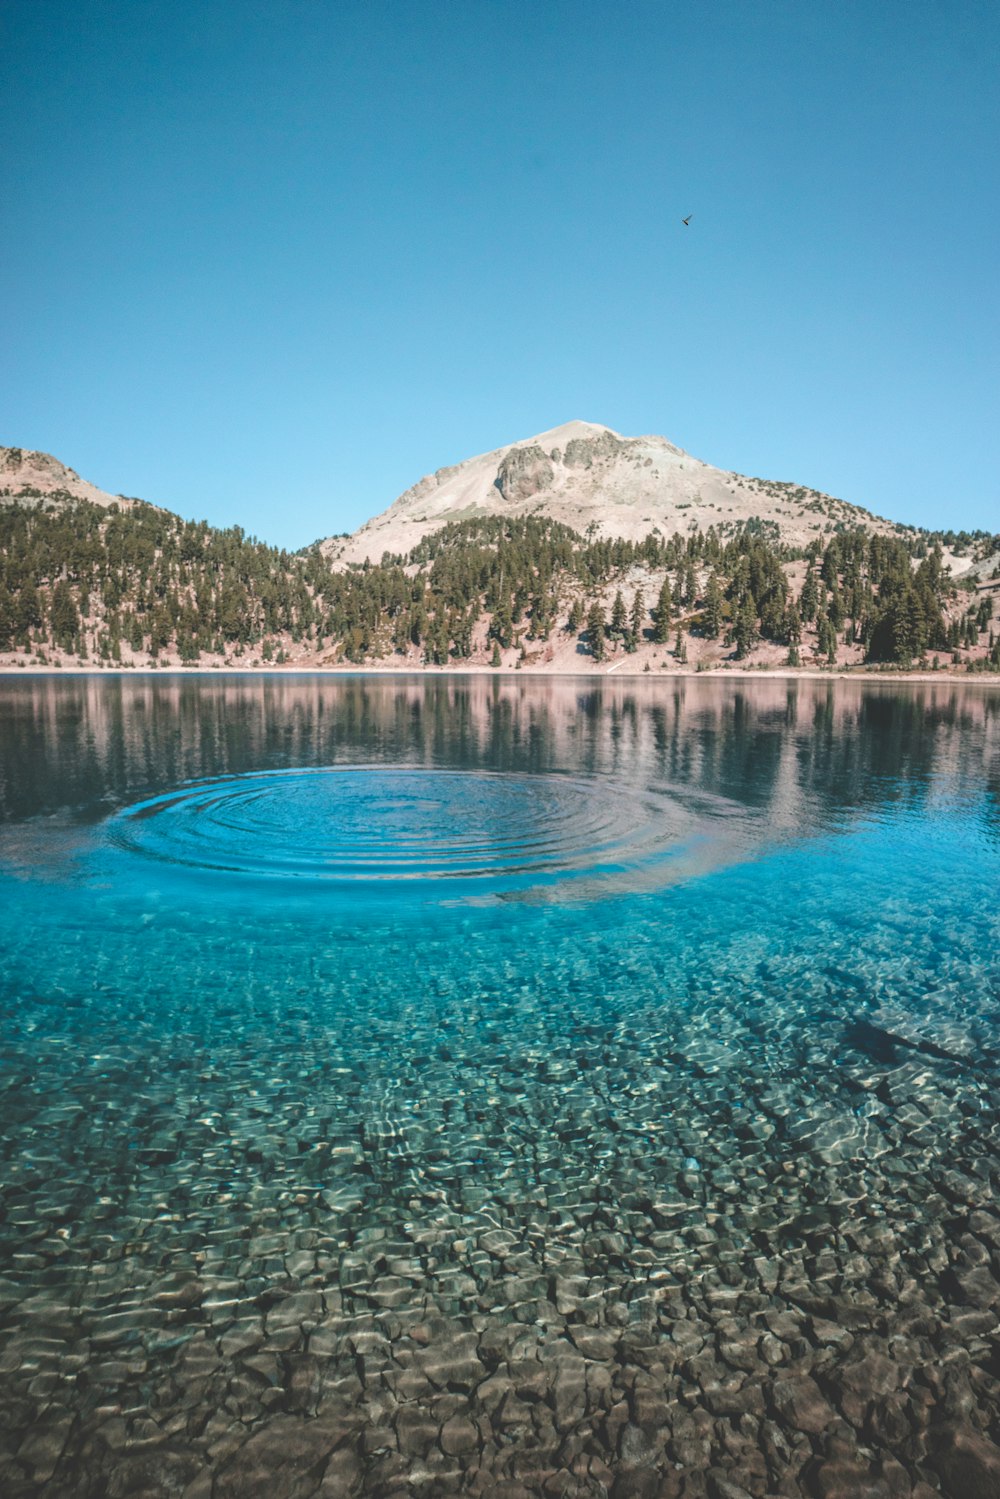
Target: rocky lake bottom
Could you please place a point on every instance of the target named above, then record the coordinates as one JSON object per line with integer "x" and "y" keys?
{"x": 460, "y": 1087}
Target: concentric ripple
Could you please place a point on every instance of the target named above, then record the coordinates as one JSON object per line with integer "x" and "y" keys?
{"x": 376, "y": 823}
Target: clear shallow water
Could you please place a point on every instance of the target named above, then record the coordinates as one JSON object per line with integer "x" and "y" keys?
{"x": 465, "y": 1083}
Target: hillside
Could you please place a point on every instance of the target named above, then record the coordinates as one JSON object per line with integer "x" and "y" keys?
{"x": 113, "y": 582}
{"x": 28, "y": 477}
{"x": 587, "y": 476}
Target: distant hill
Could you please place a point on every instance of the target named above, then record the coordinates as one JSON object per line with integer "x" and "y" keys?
{"x": 578, "y": 550}
{"x": 588, "y": 476}
{"x": 28, "y": 476}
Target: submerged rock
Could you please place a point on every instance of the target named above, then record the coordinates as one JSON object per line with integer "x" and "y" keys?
{"x": 967, "y": 1462}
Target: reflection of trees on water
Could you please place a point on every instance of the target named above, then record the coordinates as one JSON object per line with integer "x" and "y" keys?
{"x": 801, "y": 751}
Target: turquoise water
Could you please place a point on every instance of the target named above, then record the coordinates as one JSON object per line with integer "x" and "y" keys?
{"x": 369, "y": 1041}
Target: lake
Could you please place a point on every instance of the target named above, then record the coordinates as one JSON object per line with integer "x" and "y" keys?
{"x": 496, "y": 1085}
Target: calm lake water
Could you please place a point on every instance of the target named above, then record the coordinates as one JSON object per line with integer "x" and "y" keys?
{"x": 424, "y": 1086}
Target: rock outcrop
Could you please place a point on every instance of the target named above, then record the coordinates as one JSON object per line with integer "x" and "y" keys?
{"x": 32, "y": 477}
{"x": 524, "y": 472}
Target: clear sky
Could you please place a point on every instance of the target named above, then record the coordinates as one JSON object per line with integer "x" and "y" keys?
{"x": 269, "y": 263}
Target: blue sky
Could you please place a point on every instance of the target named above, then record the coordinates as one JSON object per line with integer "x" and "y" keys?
{"x": 268, "y": 263}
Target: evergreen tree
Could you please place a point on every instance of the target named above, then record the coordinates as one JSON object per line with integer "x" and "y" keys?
{"x": 826, "y": 637}
{"x": 664, "y": 613}
{"x": 27, "y": 611}
{"x": 712, "y": 617}
{"x": 793, "y": 624}
{"x": 64, "y": 618}
{"x": 87, "y": 578}
{"x": 637, "y": 619}
{"x": 436, "y": 650}
{"x": 6, "y": 618}
{"x": 461, "y": 632}
{"x": 745, "y": 629}
{"x": 835, "y": 607}
{"x": 502, "y": 623}
{"x": 596, "y": 630}
{"x": 619, "y": 617}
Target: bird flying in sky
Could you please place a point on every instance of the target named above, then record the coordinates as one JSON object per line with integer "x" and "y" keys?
{"x": 687, "y": 221}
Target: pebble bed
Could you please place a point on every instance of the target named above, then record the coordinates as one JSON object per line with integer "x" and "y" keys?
{"x": 684, "y": 1191}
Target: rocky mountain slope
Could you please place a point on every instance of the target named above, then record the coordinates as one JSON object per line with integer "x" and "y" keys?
{"x": 576, "y": 550}
{"x": 587, "y": 475}
{"x": 27, "y": 476}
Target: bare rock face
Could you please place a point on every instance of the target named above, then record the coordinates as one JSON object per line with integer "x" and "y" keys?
{"x": 21, "y": 468}
{"x": 18, "y": 465}
{"x": 524, "y": 472}
{"x": 584, "y": 452}
{"x": 31, "y": 477}
{"x": 418, "y": 491}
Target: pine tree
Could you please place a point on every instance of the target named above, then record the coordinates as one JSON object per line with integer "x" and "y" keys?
{"x": 745, "y": 629}
{"x": 27, "y": 611}
{"x": 680, "y": 647}
{"x": 6, "y": 617}
{"x": 638, "y": 619}
{"x": 502, "y": 624}
{"x": 88, "y": 579}
{"x": 793, "y": 623}
{"x": 64, "y": 619}
{"x": 496, "y": 660}
{"x": 596, "y": 630}
{"x": 690, "y": 585}
{"x": 835, "y": 607}
{"x": 436, "y": 645}
{"x": 664, "y": 613}
{"x": 619, "y": 617}
{"x": 826, "y": 638}
{"x": 712, "y": 617}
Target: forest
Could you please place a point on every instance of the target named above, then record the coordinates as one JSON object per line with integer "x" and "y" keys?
{"x": 82, "y": 583}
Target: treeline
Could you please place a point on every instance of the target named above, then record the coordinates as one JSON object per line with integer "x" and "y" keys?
{"x": 84, "y": 579}
{"x": 87, "y": 581}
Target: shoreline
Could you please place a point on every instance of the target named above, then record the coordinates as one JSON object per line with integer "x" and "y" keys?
{"x": 724, "y": 673}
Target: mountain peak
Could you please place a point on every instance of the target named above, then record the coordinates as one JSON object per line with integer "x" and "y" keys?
{"x": 569, "y": 431}
{"x": 587, "y": 475}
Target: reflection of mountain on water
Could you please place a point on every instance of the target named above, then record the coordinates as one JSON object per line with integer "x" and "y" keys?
{"x": 801, "y": 753}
